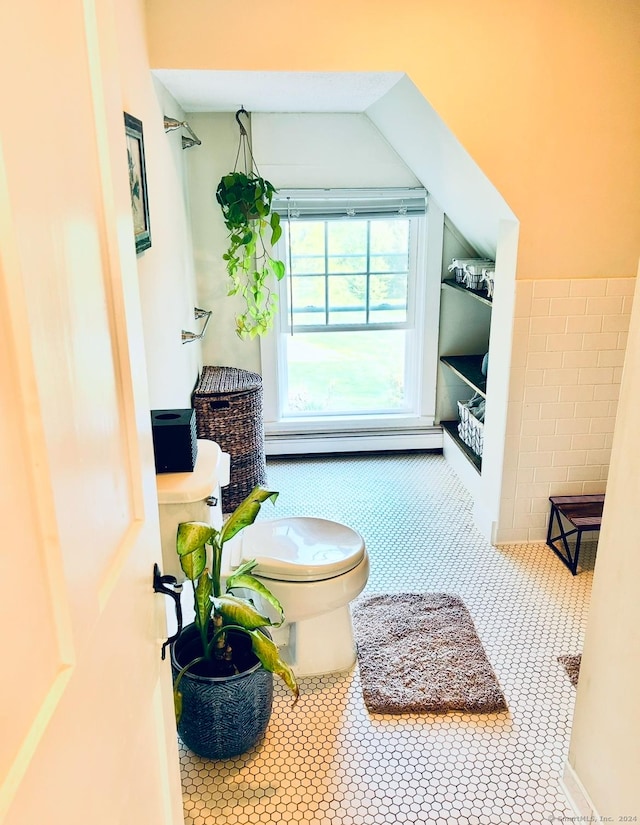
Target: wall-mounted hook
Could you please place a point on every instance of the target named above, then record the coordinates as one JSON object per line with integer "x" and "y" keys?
{"x": 241, "y": 111}
{"x": 170, "y": 123}
{"x": 160, "y": 583}
{"x": 198, "y": 314}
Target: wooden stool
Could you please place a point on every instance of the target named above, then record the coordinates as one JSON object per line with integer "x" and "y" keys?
{"x": 583, "y": 513}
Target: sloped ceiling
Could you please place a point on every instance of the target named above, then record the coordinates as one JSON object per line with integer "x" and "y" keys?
{"x": 227, "y": 91}
{"x": 438, "y": 159}
{"x": 393, "y": 104}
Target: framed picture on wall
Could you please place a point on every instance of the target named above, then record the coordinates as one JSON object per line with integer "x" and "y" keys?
{"x": 137, "y": 182}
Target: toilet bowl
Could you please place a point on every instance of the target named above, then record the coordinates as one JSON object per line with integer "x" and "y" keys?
{"x": 315, "y": 568}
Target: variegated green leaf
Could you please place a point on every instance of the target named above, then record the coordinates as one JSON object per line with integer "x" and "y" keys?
{"x": 246, "y": 512}
{"x": 269, "y": 656}
{"x": 204, "y": 590}
{"x": 245, "y": 567}
{"x": 193, "y": 563}
{"x": 193, "y": 535}
{"x": 239, "y": 579}
{"x": 240, "y": 612}
{"x": 177, "y": 704}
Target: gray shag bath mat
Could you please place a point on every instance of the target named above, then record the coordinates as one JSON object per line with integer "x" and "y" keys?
{"x": 572, "y": 666}
{"x": 420, "y": 653}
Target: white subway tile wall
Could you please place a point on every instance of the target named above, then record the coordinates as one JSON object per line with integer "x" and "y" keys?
{"x": 568, "y": 350}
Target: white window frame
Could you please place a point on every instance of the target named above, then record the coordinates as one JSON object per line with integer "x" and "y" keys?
{"x": 410, "y": 429}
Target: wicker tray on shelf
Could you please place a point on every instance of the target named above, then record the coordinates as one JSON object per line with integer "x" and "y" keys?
{"x": 470, "y": 430}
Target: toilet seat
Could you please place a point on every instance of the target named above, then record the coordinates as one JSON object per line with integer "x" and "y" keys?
{"x": 301, "y": 549}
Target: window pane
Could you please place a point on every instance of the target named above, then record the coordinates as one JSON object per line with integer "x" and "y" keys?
{"x": 346, "y": 372}
{"x": 348, "y": 263}
{"x": 347, "y": 291}
{"x": 388, "y": 292}
{"x": 347, "y": 237}
{"x": 347, "y": 316}
{"x": 389, "y": 237}
{"x": 308, "y": 292}
{"x": 389, "y": 263}
{"x": 309, "y": 307}
{"x": 307, "y": 238}
{"x": 309, "y": 318}
{"x": 347, "y": 299}
{"x": 303, "y": 265}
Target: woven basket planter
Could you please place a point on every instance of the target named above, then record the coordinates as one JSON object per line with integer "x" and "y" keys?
{"x": 228, "y": 405}
{"x": 222, "y": 717}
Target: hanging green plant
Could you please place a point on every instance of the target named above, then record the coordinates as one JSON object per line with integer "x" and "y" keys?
{"x": 245, "y": 200}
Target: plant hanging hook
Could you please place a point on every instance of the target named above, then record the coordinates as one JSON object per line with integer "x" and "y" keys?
{"x": 244, "y": 146}
{"x": 241, "y": 111}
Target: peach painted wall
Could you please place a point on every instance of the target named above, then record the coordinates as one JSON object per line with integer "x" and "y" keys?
{"x": 541, "y": 93}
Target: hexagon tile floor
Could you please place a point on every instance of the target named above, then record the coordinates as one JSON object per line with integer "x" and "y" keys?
{"x": 328, "y": 760}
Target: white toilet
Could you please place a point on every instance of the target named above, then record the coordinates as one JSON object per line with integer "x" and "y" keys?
{"x": 315, "y": 568}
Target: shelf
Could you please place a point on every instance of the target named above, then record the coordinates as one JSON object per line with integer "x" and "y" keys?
{"x": 478, "y": 294}
{"x": 468, "y": 367}
{"x": 451, "y": 428}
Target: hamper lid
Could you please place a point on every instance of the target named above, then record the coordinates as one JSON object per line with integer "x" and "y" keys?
{"x": 221, "y": 380}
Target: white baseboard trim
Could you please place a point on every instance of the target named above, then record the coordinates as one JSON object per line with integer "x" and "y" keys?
{"x": 483, "y": 521}
{"x": 577, "y": 797}
{"x": 355, "y": 442}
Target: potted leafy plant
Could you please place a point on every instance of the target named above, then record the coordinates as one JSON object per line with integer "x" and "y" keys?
{"x": 245, "y": 199}
{"x": 223, "y": 663}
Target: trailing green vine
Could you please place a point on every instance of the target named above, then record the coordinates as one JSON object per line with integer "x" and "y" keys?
{"x": 245, "y": 199}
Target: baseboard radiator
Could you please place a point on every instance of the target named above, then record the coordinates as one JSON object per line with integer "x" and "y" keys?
{"x": 358, "y": 441}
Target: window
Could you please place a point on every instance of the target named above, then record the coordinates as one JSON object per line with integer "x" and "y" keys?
{"x": 349, "y": 273}
{"x": 349, "y": 338}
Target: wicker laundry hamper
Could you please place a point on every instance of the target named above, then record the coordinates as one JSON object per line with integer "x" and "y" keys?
{"x": 228, "y": 405}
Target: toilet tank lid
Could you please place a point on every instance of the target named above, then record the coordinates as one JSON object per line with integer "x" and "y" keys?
{"x": 211, "y": 471}
{"x": 302, "y": 548}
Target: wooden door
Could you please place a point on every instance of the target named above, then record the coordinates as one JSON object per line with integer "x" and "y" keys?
{"x": 87, "y": 732}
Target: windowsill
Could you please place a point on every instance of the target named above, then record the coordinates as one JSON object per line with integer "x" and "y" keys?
{"x": 348, "y": 424}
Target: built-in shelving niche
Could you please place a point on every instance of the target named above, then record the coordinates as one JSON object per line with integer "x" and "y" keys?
{"x": 469, "y": 369}
{"x": 479, "y": 294}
